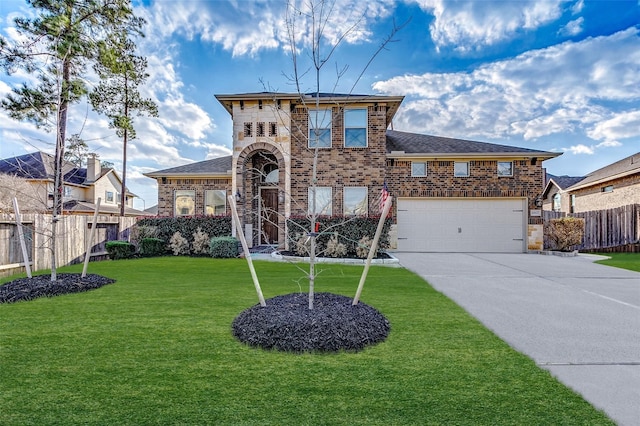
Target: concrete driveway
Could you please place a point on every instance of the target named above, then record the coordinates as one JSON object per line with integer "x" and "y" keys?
{"x": 577, "y": 319}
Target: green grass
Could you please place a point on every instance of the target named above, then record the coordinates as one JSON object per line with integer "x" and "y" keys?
{"x": 156, "y": 348}
{"x": 630, "y": 261}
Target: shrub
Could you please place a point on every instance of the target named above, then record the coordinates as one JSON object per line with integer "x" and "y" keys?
{"x": 302, "y": 245}
{"x": 363, "y": 247}
{"x": 140, "y": 232}
{"x": 350, "y": 229}
{"x": 335, "y": 248}
{"x": 150, "y": 247}
{"x": 564, "y": 233}
{"x": 223, "y": 247}
{"x": 179, "y": 244}
{"x": 120, "y": 250}
{"x": 200, "y": 242}
{"x": 166, "y": 227}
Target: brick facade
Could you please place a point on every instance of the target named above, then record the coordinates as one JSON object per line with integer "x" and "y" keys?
{"x": 168, "y": 186}
{"x": 625, "y": 191}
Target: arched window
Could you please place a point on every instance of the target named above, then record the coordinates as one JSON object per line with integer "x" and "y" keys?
{"x": 271, "y": 173}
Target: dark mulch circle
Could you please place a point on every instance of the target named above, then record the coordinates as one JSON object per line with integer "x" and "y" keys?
{"x": 42, "y": 286}
{"x": 287, "y": 324}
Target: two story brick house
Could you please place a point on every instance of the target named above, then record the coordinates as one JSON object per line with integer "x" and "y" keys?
{"x": 451, "y": 194}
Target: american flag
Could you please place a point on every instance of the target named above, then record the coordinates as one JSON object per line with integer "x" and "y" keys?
{"x": 384, "y": 194}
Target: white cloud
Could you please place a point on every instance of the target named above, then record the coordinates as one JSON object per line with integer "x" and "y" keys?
{"x": 552, "y": 91}
{"x": 621, "y": 126}
{"x": 476, "y": 24}
{"x": 580, "y": 149}
{"x": 572, "y": 28}
{"x": 577, "y": 7}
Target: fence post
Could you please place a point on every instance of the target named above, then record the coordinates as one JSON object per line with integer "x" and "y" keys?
{"x": 23, "y": 245}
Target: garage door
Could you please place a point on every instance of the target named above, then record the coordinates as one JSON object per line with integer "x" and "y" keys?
{"x": 462, "y": 225}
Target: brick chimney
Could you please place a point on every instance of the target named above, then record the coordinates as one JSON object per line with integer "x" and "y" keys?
{"x": 93, "y": 168}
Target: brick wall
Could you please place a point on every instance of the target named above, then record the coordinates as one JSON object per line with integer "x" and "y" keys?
{"x": 338, "y": 166}
{"x": 483, "y": 180}
{"x": 166, "y": 192}
{"x": 626, "y": 191}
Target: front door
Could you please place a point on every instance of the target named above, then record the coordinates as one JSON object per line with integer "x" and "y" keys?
{"x": 269, "y": 216}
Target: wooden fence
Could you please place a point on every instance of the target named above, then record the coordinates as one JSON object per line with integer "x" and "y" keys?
{"x": 607, "y": 229}
{"x": 72, "y": 236}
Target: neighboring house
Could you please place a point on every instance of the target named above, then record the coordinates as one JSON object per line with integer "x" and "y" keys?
{"x": 615, "y": 185}
{"x": 555, "y": 196}
{"x": 82, "y": 186}
{"x": 451, "y": 195}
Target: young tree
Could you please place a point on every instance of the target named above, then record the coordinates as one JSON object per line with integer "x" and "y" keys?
{"x": 117, "y": 95}
{"x": 58, "y": 44}
{"x": 310, "y": 36}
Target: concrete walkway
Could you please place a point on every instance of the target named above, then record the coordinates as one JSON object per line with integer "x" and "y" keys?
{"x": 577, "y": 319}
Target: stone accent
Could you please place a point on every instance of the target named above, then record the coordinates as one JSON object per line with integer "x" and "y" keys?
{"x": 535, "y": 237}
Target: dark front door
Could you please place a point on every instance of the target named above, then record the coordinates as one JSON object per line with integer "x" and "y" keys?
{"x": 269, "y": 216}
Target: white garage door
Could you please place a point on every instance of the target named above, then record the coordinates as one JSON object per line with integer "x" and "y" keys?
{"x": 495, "y": 225}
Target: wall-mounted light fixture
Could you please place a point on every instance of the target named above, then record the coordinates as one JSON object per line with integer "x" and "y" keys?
{"x": 238, "y": 196}
{"x": 280, "y": 197}
{"x": 538, "y": 201}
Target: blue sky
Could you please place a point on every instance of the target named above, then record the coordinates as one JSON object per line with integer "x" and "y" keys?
{"x": 561, "y": 76}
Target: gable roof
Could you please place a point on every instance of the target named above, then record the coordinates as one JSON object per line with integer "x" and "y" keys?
{"x": 41, "y": 166}
{"x": 216, "y": 166}
{"x": 403, "y": 144}
{"x": 561, "y": 182}
{"x": 625, "y": 167}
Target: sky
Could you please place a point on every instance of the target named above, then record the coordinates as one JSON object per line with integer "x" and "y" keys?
{"x": 559, "y": 76}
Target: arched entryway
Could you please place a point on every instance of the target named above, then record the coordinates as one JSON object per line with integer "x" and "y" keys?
{"x": 261, "y": 195}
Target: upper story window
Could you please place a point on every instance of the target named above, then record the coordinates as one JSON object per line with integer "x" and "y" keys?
{"x": 355, "y": 201}
{"x": 320, "y": 128}
{"x": 418, "y": 169}
{"x": 215, "y": 201}
{"x": 248, "y": 130}
{"x": 608, "y": 188}
{"x": 505, "y": 168}
{"x": 184, "y": 202}
{"x": 260, "y": 129}
{"x": 108, "y": 197}
{"x": 461, "y": 169}
{"x": 273, "y": 129}
{"x": 68, "y": 192}
{"x": 355, "y": 128}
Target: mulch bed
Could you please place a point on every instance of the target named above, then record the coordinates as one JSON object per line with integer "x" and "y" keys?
{"x": 287, "y": 324}
{"x": 42, "y": 286}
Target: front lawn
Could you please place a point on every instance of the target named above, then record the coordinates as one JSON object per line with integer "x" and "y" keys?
{"x": 629, "y": 261}
{"x": 156, "y": 348}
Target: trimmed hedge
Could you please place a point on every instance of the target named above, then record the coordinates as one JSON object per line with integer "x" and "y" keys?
{"x": 166, "y": 227}
{"x": 350, "y": 231}
{"x": 120, "y": 250}
{"x": 150, "y": 247}
{"x": 223, "y": 247}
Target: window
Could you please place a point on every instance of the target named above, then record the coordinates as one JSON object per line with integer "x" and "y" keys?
{"x": 320, "y": 128}
{"x": 572, "y": 199}
{"x": 460, "y": 169}
{"x": 215, "y": 201}
{"x": 323, "y": 200}
{"x": 355, "y": 128}
{"x": 260, "y": 129}
{"x": 608, "y": 188}
{"x": 248, "y": 130}
{"x": 505, "y": 168}
{"x": 184, "y": 202}
{"x": 556, "y": 203}
{"x": 68, "y": 192}
{"x": 355, "y": 201}
{"x": 418, "y": 169}
{"x": 273, "y": 129}
{"x": 108, "y": 197}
